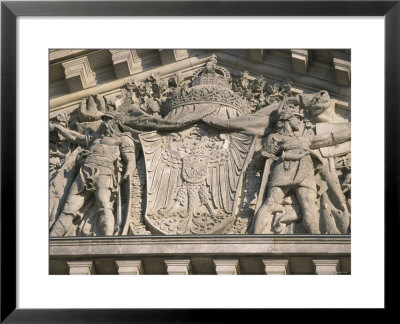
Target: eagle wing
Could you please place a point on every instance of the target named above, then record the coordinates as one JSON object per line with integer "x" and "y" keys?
{"x": 163, "y": 170}
{"x": 226, "y": 168}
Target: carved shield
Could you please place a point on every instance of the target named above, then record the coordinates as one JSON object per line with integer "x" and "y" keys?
{"x": 194, "y": 179}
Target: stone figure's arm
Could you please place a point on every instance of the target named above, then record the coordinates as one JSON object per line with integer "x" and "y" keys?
{"x": 128, "y": 155}
{"x": 69, "y": 135}
{"x": 329, "y": 139}
{"x": 271, "y": 149}
{"x": 346, "y": 185}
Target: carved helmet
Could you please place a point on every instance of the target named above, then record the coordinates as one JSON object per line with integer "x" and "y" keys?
{"x": 116, "y": 118}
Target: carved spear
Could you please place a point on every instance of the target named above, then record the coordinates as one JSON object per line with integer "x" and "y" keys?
{"x": 264, "y": 182}
{"x": 270, "y": 158}
{"x": 119, "y": 216}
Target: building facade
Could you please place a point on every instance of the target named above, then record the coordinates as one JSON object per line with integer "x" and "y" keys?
{"x": 200, "y": 161}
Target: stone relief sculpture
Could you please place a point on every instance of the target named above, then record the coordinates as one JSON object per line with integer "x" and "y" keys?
{"x": 109, "y": 151}
{"x": 295, "y": 165}
{"x": 213, "y": 154}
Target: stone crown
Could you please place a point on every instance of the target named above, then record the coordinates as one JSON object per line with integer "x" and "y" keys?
{"x": 212, "y": 74}
{"x": 210, "y": 84}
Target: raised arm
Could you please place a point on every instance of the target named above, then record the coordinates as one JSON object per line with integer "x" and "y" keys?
{"x": 69, "y": 135}
{"x": 330, "y": 138}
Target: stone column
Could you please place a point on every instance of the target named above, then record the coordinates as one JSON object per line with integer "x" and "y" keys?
{"x": 129, "y": 267}
{"x": 326, "y": 267}
{"x": 81, "y": 267}
{"x": 178, "y": 267}
{"x": 227, "y": 266}
{"x": 276, "y": 267}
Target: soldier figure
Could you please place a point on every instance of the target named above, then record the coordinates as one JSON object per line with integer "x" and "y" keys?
{"x": 294, "y": 168}
{"x": 98, "y": 174}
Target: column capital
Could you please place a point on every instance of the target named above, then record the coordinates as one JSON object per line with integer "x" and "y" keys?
{"x": 129, "y": 267}
{"x": 326, "y": 266}
{"x": 276, "y": 266}
{"x": 81, "y": 267}
{"x": 178, "y": 267}
{"x": 227, "y": 266}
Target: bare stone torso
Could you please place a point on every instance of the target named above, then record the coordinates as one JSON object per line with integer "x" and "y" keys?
{"x": 104, "y": 152}
{"x": 107, "y": 146}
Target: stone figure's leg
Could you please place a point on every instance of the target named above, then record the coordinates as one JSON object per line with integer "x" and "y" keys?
{"x": 349, "y": 204}
{"x": 307, "y": 198}
{"x": 74, "y": 202}
{"x": 105, "y": 211}
{"x": 263, "y": 218}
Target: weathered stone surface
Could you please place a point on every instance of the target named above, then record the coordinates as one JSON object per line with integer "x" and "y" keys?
{"x": 329, "y": 245}
{"x": 227, "y": 146}
{"x": 103, "y": 175}
{"x": 206, "y": 152}
{"x": 299, "y": 251}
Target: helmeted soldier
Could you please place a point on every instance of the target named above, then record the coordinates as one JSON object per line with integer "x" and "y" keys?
{"x": 295, "y": 167}
{"x": 109, "y": 152}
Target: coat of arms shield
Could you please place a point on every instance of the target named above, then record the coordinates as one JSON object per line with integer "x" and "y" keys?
{"x": 194, "y": 179}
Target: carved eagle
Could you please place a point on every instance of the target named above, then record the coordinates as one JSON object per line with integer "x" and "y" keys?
{"x": 193, "y": 177}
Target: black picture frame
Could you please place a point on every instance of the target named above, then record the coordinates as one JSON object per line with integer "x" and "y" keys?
{"x": 11, "y": 10}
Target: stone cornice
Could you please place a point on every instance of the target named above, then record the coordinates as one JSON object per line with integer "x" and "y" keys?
{"x": 71, "y": 101}
{"x": 79, "y": 74}
{"x": 190, "y": 63}
{"x": 326, "y": 245}
{"x": 300, "y": 60}
{"x": 126, "y": 62}
{"x": 169, "y": 56}
{"x": 278, "y": 73}
{"x": 128, "y": 66}
{"x": 207, "y": 254}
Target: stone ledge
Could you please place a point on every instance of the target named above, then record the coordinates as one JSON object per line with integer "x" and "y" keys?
{"x": 201, "y": 251}
{"x": 202, "y": 245}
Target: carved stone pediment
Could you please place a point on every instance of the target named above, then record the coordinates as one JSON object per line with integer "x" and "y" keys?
{"x": 201, "y": 154}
